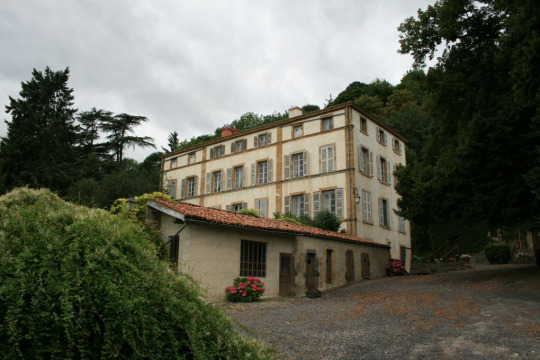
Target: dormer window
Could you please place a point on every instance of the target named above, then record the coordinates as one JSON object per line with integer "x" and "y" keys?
{"x": 238, "y": 146}
{"x": 217, "y": 151}
{"x": 396, "y": 145}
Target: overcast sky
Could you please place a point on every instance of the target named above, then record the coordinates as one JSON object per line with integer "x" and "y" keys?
{"x": 193, "y": 66}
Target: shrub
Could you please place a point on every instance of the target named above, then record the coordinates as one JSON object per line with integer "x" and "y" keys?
{"x": 250, "y": 212}
{"x": 395, "y": 267}
{"x": 245, "y": 289}
{"x": 82, "y": 283}
{"x": 498, "y": 253}
{"x": 327, "y": 220}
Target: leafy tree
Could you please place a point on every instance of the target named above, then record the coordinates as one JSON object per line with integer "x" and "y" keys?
{"x": 483, "y": 155}
{"x": 173, "y": 142}
{"x": 38, "y": 150}
{"x": 310, "y": 108}
{"x": 351, "y": 92}
{"x": 90, "y": 123}
{"x": 327, "y": 220}
{"x": 81, "y": 283}
{"x": 119, "y": 128}
{"x": 372, "y": 104}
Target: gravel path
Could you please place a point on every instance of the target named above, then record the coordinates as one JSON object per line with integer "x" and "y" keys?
{"x": 489, "y": 312}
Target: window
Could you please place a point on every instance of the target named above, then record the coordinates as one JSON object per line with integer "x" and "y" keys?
{"x": 191, "y": 183}
{"x": 384, "y": 213}
{"x": 329, "y": 200}
{"x": 396, "y": 145}
{"x": 366, "y": 207}
{"x": 238, "y": 177}
{"x": 217, "y": 181}
{"x": 262, "y": 172}
{"x": 238, "y": 146}
{"x": 327, "y": 159}
{"x": 173, "y": 163}
{"x": 401, "y": 224}
{"x": 298, "y": 131}
{"x": 381, "y": 136}
{"x": 253, "y": 258}
{"x": 327, "y": 124}
{"x": 261, "y": 206}
{"x": 298, "y": 165}
{"x": 383, "y": 170}
{"x": 171, "y": 189}
{"x": 262, "y": 140}
{"x": 365, "y": 158}
{"x": 363, "y": 125}
{"x": 217, "y": 151}
{"x": 237, "y": 207}
{"x": 191, "y": 158}
{"x": 298, "y": 205}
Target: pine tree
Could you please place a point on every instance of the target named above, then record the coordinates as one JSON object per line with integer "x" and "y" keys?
{"x": 39, "y": 147}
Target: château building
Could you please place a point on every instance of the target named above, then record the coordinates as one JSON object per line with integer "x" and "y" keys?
{"x": 340, "y": 159}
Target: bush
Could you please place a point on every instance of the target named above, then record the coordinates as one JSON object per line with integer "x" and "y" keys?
{"x": 498, "y": 253}
{"x": 395, "y": 267}
{"x": 82, "y": 283}
{"x": 245, "y": 289}
{"x": 327, "y": 220}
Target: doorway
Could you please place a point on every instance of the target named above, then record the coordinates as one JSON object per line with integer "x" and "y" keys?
{"x": 286, "y": 275}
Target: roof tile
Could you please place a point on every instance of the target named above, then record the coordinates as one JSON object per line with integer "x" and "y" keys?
{"x": 216, "y": 216}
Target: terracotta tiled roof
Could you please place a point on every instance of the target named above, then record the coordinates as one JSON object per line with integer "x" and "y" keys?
{"x": 216, "y": 216}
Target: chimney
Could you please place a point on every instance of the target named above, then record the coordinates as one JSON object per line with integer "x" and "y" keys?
{"x": 228, "y": 131}
{"x": 295, "y": 111}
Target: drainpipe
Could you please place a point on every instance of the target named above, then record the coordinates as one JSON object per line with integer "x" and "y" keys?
{"x": 351, "y": 185}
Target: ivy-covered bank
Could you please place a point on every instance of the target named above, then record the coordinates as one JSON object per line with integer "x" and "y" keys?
{"x": 82, "y": 283}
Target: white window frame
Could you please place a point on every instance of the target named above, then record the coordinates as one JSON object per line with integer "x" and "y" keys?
{"x": 217, "y": 181}
{"x": 298, "y": 205}
{"x": 327, "y": 159}
{"x": 327, "y": 124}
{"x": 261, "y": 205}
{"x": 401, "y": 224}
{"x": 384, "y": 213}
{"x": 329, "y": 200}
{"x": 262, "y": 172}
{"x": 190, "y": 188}
{"x": 238, "y": 177}
{"x": 298, "y": 131}
{"x": 298, "y": 168}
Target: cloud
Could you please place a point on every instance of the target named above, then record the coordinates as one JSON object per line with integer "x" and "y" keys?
{"x": 194, "y": 66}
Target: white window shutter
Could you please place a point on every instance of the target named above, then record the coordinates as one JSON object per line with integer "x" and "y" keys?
{"x": 183, "y": 189}
{"x": 364, "y": 206}
{"x": 255, "y": 141}
{"x": 307, "y": 207}
{"x": 379, "y": 168}
{"x": 287, "y": 207}
{"x": 233, "y": 147}
{"x": 253, "y": 174}
{"x": 211, "y": 153}
{"x": 208, "y": 182}
{"x": 339, "y": 202}
{"x": 330, "y": 159}
{"x": 221, "y": 181}
{"x": 381, "y": 212}
{"x": 389, "y": 170}
{"x": 324, "y": 157}
{"x": 378, "y": 132}
{"x": 385, "y": 138}
{"x": 229, "y": 178}
{"x": 245, "y": 144}
{"x": 269, "y": 162}
{"x": 305, "y": 158}
{"x": 269, "y": 138}
{"x": 286, "y": 166}
{"x": 316, "y": 203}
{"x": 361, "y": 165}
{"x": 195, "y": 185}
{"x": 371, "y": 163}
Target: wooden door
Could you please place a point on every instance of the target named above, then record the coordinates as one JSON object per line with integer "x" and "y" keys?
{"x": 349, "y": 263}
{"x": 366, "y": 270}
{"x": 311, "y": 284}
{"x": 286, "y": 275}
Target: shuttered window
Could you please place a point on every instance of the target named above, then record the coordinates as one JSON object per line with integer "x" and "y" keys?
{"x": 327, "y": 159}
{"x": 261, "y": 206}
{"x": 366, "y": 207}
{"x": 298, "y": 205}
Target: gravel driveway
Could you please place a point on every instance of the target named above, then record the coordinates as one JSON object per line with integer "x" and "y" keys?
{"x": 489, "y": 312}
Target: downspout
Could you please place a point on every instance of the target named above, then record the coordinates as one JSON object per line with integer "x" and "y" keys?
{"x": 351, "y": 185}
{"x": 172, "y": 237}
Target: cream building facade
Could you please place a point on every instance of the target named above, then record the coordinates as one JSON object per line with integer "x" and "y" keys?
{"x": 340, "y": 159}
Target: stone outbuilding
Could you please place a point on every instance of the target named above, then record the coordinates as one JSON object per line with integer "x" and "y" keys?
{"x": 216, "y": 246}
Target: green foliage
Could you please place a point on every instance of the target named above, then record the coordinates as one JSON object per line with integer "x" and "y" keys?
{"x": 173, "y": 141}
{"x": 138, "y": 213}
{"x": 251, "y": 212}
{"x": 310, "y": 108}
{"x": 480, "y": 164}
{"x": 39, "y": 148}
{"x": 82, "y": 283}
{"x": 327, "y": 220}
{"x": 245, "y": 289}
{"x": 498, "y": 253}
